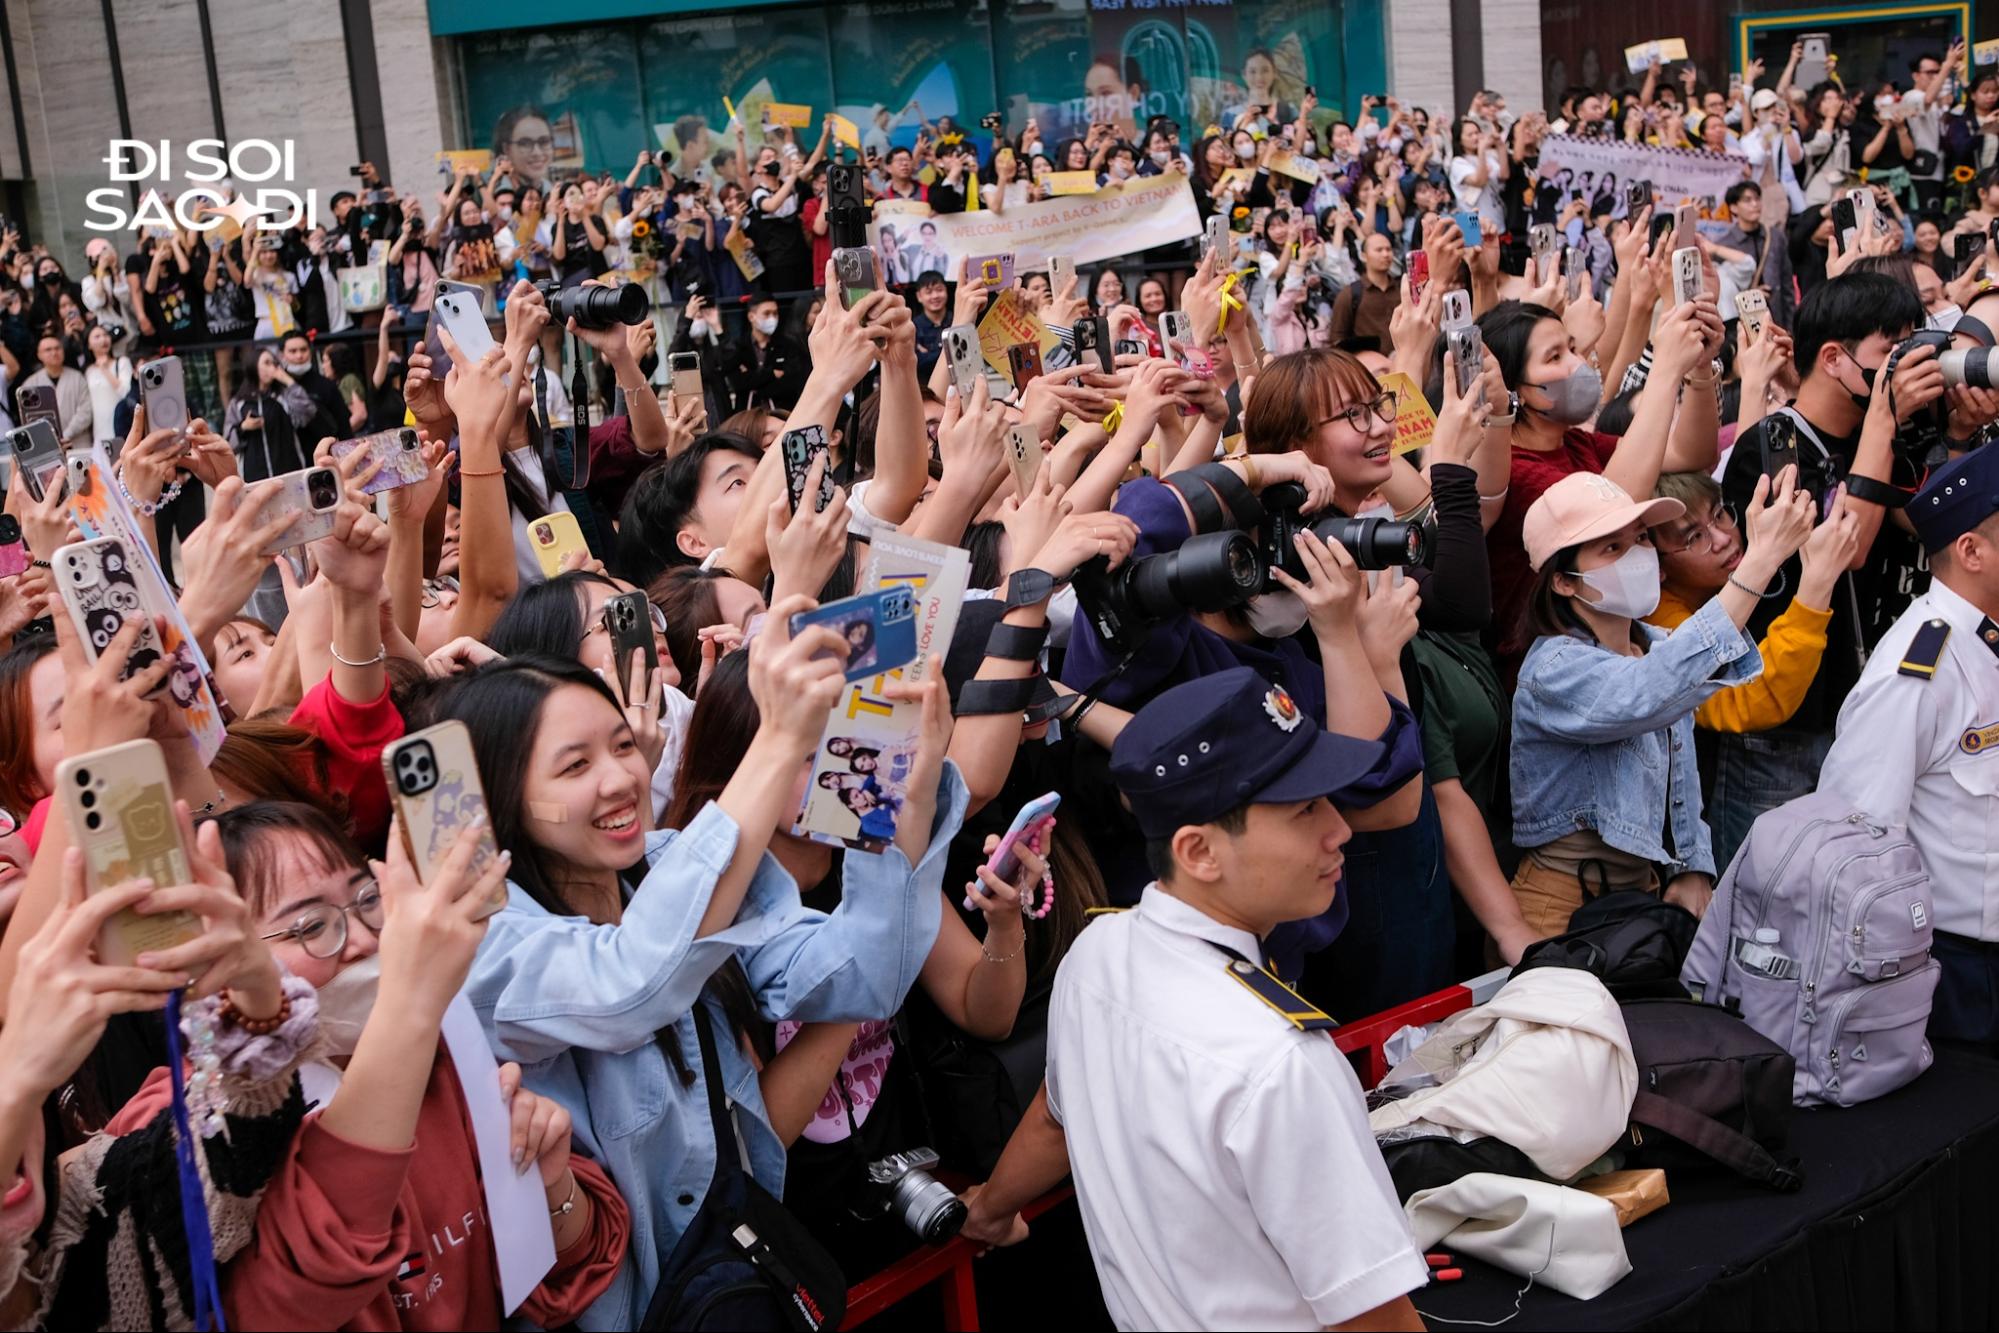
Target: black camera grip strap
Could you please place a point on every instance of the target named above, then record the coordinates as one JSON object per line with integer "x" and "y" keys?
{"x": 1201, "y": 500}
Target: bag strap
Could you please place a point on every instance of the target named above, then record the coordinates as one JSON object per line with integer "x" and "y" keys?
{"x": 1727, "y": 1146}
{"x": 718, "y": 1112}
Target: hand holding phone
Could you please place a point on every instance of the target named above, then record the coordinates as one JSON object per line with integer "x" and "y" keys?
{"x": 1033, "y": 821}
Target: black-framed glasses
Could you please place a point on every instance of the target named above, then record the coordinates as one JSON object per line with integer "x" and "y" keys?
{"x": 432, "y": 587}
{"x": 1356, "y": 416}
{"x": 540, "y": 144}
{"x": 321, "y": 930}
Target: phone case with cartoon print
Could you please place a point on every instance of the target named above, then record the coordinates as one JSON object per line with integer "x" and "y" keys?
{"x": 434, "y": 782}
{"x": 119, "y": 804}
{"x": 398, "y": 451}
{"x": 97, "y": 582}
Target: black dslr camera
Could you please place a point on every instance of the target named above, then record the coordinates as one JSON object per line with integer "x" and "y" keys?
{"x": 1920, "y": 441}
{"x": 1374, "y": 543}
{"x": 595, "y": 307}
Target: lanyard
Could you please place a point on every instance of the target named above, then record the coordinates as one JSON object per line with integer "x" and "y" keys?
{"x": 193, "y": 1203}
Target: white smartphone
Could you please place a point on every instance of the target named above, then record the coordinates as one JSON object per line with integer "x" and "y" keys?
{"x": 313, "y": 493}
{"x": 1753, "y": 310}
{"x": 461, "y": 314}
{"x": 163, "y": 390}
{"x": 1061, "y": 269}
{"x": 1686, "y": 276}
{"x": 1457, "y": 309}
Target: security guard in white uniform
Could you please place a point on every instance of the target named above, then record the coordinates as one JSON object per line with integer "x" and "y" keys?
{"x": 1918, "y": 740}
{"x": 1217, "y": 1137}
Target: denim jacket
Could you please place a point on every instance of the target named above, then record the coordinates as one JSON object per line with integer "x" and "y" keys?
{"x": 1597, "y": 734}
{"x": 578, "y": 1005}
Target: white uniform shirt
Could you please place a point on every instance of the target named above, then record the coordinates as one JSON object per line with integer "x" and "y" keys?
{"x": 1222, "y": 1158}
{"x": 1925, "y": 754}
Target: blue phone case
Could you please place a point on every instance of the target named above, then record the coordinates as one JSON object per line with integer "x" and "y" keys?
{"x": 879, "y": 627}
{"x": 1468, "y": 224}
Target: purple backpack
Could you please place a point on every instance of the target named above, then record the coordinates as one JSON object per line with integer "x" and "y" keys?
{"x": 1819, "y": 936}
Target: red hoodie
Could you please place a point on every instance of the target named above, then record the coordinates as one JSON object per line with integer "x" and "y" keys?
{"x": 354, "y": 1238}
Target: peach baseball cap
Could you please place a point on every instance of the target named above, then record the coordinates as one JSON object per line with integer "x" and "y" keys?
{"x": 1582, "y": 507}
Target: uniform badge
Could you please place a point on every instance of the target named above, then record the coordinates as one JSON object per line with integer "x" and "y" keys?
{"x": 1977, "y": 740}
{"x": 1282, "y": 709}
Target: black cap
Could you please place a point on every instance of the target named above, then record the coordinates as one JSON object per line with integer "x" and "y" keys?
{"x": 1204, "y": 748}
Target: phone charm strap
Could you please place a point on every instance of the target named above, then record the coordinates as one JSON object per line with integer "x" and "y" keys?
{"x": 1029, "y": 908}
{"x": 193, "y": 1202}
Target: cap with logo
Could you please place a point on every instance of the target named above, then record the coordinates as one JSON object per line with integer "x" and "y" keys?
{"x": 1582, "y": 507}
{"x": 1205, "y": 747}
{"x": 1957, "y": 498}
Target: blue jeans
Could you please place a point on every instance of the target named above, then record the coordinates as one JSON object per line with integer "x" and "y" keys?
{"x": 1755, "y": 772}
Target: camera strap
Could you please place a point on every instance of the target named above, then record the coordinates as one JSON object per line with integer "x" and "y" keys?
{"x": 1806, "y": 429}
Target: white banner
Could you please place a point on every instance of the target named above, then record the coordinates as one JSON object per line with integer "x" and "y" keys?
{"x": 1115, "y": 221}
{"x": 1600, "y": 168}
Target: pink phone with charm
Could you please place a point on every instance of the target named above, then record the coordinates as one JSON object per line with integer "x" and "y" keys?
{"x": 1034, "y": 818}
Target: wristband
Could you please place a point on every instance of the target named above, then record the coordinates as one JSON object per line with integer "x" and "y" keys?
{"x": 1878, "y": 492}
{"x": 1030, "y": 587}
{"x": 1201, "y": 501}
{"x": 1017, "y": 643}
{"x": 986, "y": 698}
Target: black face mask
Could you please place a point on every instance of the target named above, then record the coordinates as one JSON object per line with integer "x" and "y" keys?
{"x": 1868, "y": 374}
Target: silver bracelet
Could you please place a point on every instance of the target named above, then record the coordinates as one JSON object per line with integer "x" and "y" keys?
{"x": 381, "y": 656}
{"x": 1782, "y": 583}
{"x": 987, "y": 954}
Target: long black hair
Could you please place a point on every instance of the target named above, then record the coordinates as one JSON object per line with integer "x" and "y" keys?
{"x": 546, "y": 617}
{"x": 501, "y": 705}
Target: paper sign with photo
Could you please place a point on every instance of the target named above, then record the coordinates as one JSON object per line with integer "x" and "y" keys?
{"x": 1638, "y": 58}
{"x": 1287, "y": 163}
{"x": 99, "y": 509}
{"x": 454, "y": 160}
{"x": 1008, "y": 321}
{"x": 860, "y": 772}
{"x": 1072, "y": 182}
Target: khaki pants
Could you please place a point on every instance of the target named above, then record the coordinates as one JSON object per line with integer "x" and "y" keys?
{"x": 1548, "y": 898}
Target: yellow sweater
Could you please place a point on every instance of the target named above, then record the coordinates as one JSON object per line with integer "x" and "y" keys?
{"x": 1791, "y": 652}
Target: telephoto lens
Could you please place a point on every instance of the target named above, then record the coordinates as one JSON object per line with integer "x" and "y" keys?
{"x": 1377, "y": 543}
{"x": 1967, "y": 365}
{"x": 595, "y": 307}
{"x": 1211, "y": 572}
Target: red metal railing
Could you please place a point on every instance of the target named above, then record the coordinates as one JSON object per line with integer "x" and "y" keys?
{"x": 951, "y": 1262}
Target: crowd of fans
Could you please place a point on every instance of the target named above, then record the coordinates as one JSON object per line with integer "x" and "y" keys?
{"x": 1563, "y": 703}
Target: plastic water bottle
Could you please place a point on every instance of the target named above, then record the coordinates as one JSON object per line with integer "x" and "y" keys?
{"x": 1762, "y": 956}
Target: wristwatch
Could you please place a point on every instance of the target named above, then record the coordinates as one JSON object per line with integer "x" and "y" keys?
{"x": 1512, "y": 411}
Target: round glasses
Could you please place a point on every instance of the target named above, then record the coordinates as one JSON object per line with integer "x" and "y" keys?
{"x": 432, "y": 587}
{"x": 1705, "y": 534}
{"x": 321, "y": 930}
{"x": 1356, "y": 416}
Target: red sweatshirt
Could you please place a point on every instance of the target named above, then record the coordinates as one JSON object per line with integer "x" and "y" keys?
{"x": 353, "y": 1238}
{"x": 354, "y": 736}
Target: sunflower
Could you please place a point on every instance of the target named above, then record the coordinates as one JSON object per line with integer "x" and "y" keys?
{"x": 1240, "y": 211}
{"x": 1962, "y": 174}
{"x": 642, "y": 228}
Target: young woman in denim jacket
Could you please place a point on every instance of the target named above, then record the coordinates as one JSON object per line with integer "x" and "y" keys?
{"x": 590, "y": 976}
{"x": 1606, "y": 793}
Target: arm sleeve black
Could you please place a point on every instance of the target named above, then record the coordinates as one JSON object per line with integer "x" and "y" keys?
{"x": 1457, "y": 585}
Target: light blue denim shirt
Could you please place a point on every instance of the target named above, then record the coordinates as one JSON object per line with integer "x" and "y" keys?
{"x": 577, "y": 1005}
{"x": 1595, "y": 735}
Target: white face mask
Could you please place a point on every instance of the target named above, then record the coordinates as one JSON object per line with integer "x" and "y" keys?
{"x": 1628, "y": 586}
{"x": 298, "y": 367}
{"x": 1035, "y": 149}
{"x": 1276, "y": 615}
{"x": 698, "y": 329}
{"x": 1119, "y": 170}
{"x": 1161, "y": 156}
{"x": 1943, "y": 318}
{"x": 1245, "y": 151}
{"x": 345, "y": 1003}
{"x": 766, "y": 327}
{"x": 506, "y": 212}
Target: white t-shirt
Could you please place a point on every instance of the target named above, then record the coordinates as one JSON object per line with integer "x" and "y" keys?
{"x": 1482, "y": 199}
{"x": 1222, "y": 1158}
{"x": 525, "y": 559}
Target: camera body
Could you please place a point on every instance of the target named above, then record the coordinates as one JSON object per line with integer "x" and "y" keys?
{"x": 900, "y": 1184}
{"x": 595, "y": 307}
{"x": 1920, "y": 439}
{"x": 1217, "y": 571}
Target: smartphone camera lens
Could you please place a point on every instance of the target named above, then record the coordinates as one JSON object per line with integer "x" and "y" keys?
{"x": 88, "y": 799}
{"x": 93, "y": 821}
{"x": 83, "y": 777}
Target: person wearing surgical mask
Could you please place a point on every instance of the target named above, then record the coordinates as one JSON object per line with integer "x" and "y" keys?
{"x": 1606, "y": 789}
{"x": 386, "y": 1154}
{"x": 1554, "y": 391}
{"x": 764, "y": 366}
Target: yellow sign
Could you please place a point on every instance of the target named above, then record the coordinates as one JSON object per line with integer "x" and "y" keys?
{"x": 454, "y": 160}
{"x": 1008, "y": 321}
{"x": 1071, "y": 182}
{"x": 1287, "y": 163}
{"x": 1415, "y": 423}
{"x": 846, "y": 132}
{"x": 789, "y": 114}
{"x": 1985, "y": 53}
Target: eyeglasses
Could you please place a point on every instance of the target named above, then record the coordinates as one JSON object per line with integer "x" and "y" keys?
{"x": 538, "y": 145}
{"x": 432, "y": 587}
{"x": 1356, "y": 416}
{"x": 321, "y": 930}
{"x": 1704, "y": 535}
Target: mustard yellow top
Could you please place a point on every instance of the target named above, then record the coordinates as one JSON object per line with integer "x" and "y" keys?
{"x": 1791, "y": 652}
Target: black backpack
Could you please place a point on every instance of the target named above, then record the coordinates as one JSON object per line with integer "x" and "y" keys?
{"x": 1632, "y": 941}
{"x": 744, "y": 1261}
{"x": 1710, "y": 1089}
